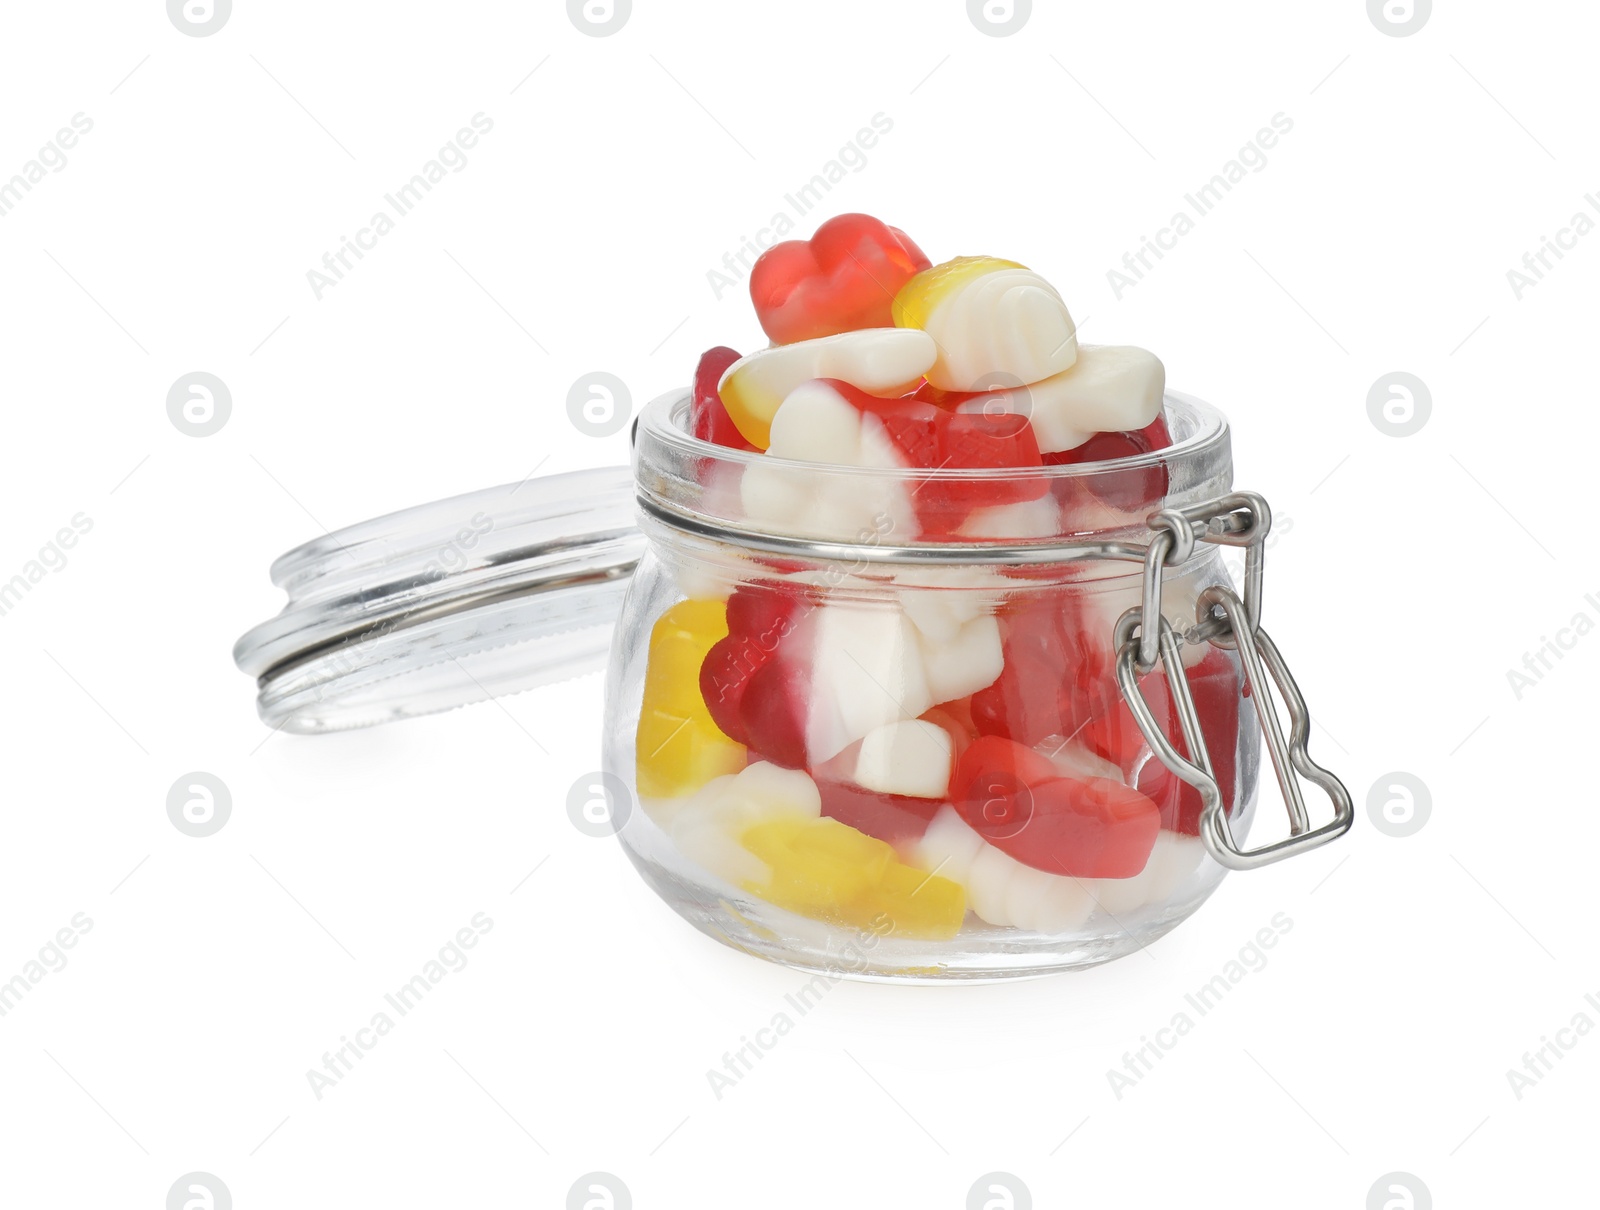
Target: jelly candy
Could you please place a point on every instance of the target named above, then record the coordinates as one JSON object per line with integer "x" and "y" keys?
{"x": 844, "y": 277}
{"x": 1110, "y": 388}
{"x": 811, "y": 503}
{"x": 993, "y": 321}
{"x": 881, "y": 361}
{"x": 971, "y": 440}
{"x": 867, "y": 669}
{"x": 708, "y": 419}
{"x": 940, "y": 601}
{"x": 1134, "y": 489}
{"x": 827, "y": 870}
{"x": 1017, "y": 800}
{"x": 708, "y": 825}
{"x": 1172, "y": 859}
{"x": 801, "y": 681}
{"x": 964, "y": 662}
{"x": 1041, "y": 518}
{"x": 897, "y": 819}
{"x": 822, "y": 421}
{"x": 830, "y": 421}
{"x": 815, "y": 867}
{"x": 956, "y": 719}
{"x": 1072, "y": 759}
{"x": 976, "y": 439}
{"x": 760, "y": 616}
{"x": 1001, "y": 890}
{"x": 1113, "y": 734}
{"x": 909, "y": 757}
{"x": 680, "y": 747}
{"x": 1055, "y": 670}
{"x": 890, "y": 794}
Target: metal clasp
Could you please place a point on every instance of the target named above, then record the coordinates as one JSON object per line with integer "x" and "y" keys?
{"x": 1224, "y": 620}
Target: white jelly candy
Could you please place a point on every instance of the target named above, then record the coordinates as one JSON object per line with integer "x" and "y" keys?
{"x": 1001, "y": 890}
{"x": 866, "y": 670}
{"x": 1039, "y": 518}
{"x": 910, "y": 757}
{"x": 708, "y": 824}
{"x": 1111, "y": 389}
{"x": 993, "y": 320}
{"x": 816, "y": 424}
{"x": 965, "y": 661}
{"x": 879, "y": 361}
{"x": 1171, "y": 862}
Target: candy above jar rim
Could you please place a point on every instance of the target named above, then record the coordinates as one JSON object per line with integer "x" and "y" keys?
{"x": 905, "y": 404}
{"x": 694, "y": 485}
{"x": 664, "y": 422}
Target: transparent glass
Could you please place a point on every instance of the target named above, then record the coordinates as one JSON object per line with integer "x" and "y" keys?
{"x": 851, "y": 751}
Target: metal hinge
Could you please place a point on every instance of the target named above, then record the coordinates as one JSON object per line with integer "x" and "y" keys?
{"x": 1225, "y": 620}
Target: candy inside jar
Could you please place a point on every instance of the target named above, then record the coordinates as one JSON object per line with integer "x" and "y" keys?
{"x": 872, "y": 654}
{"x": 874, "y": 738}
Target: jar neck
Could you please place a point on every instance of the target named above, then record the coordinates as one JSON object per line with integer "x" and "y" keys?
{"x": 1046, "y": 515}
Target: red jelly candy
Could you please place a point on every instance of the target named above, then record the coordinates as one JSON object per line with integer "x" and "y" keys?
{"x": 844, "y": 277}
{"x": 1016, "y": 799}
{"x": 926, "y": 434}
{"x": 956, "y": 719}
{"x": 774, "y": 707}
{"x": 757, "y": 691}
{"x": 989, "y": 779}
{"x": 894, "y": 818}
{"x": 978, "y": 437}
{"x": 913, "y": 426}
{"x": 984, "y": 441}
{"x": 1052, "y": 680}
{"x": 1113, "y": 734}
{"x": 897, "y": 819}
{"x": 1131, "y": 490}
{"x": 708, "y": 419}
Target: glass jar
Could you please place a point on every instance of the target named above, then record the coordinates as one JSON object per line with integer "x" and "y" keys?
{"x": 889, "y": 723}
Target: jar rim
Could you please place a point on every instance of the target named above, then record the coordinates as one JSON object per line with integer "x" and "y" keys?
{"x": 693, "y": 484}
{"x": 664, "y": 422}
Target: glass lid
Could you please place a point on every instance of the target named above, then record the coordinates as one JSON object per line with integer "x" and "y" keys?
{"x": 433, "y": 607}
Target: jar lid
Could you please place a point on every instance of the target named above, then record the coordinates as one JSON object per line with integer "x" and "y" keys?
{"x": 476, "y": 596}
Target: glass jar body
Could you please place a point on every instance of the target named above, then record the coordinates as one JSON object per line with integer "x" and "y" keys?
{"x": 931, "y": 775}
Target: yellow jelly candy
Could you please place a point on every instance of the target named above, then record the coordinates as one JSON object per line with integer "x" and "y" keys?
{"x": 827, "y": 870}
{"x": 919, "y": 296}
{"x": 918, "y": 904}
{"x": 679, "y": 747}
{"x": 996, "y": 323}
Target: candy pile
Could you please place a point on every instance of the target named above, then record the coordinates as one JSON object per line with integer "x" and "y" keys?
{"x": 897, "y": 757}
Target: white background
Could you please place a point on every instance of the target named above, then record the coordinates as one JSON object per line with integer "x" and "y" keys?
{"x": 1410, "y": 575}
